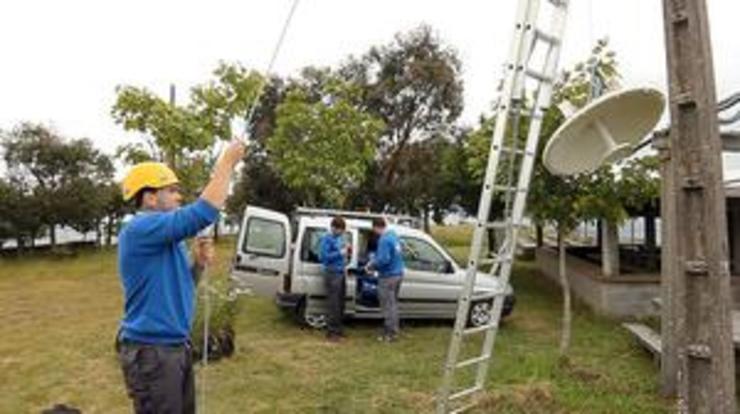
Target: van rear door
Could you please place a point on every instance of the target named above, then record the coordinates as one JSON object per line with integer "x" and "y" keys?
{"x": 263, "y": 251}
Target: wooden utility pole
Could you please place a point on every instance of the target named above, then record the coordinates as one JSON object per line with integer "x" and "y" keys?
{"x": 698, "y": 325}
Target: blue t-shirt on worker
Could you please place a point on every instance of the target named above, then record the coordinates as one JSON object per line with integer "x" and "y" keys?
{"x": 155, "y": 272}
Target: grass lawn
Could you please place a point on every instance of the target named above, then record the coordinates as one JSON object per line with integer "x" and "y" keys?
{"x": 59, "y": 317}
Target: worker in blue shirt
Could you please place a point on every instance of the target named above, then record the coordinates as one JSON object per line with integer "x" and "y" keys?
{"x": 159, "y": 283}
{"x": 333, "y": 254}
{"x": 388, "y": 262}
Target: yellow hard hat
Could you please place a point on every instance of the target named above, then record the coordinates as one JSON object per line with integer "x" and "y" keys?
{"x": 147, "y": 175}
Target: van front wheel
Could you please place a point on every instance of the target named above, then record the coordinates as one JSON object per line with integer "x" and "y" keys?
{"x": 313, "y": 320}
{"x": 480, "y": 314}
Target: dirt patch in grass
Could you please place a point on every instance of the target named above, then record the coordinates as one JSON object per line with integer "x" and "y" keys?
{"x": 579, "y": 373}
{"x": 536, "y": 397}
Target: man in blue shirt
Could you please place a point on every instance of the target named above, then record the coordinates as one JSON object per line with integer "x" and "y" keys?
{"x": 159, "y": 285}
{"x": 332, "y": 254}
{"x": 388, "y": 262}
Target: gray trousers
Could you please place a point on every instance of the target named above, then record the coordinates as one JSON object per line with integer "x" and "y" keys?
{"x": 159, "y": 379}
{"x": 335, "y": 292}
{"x": 388, "y": 289}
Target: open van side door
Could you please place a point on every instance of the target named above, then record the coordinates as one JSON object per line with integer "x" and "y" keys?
{"x": 263, "y": 251}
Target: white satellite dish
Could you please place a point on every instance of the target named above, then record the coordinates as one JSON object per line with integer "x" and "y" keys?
{"x": 604, "y": 131}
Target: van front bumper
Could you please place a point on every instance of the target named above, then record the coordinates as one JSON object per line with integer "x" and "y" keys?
{"x": 509, "y": 302}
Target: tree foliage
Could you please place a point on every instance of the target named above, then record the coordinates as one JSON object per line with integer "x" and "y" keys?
{"x": 52, "y": 182}
{"x": 185, "y": 136}
{"x": 323, "y": 145}
{"x": 413, "y": 85}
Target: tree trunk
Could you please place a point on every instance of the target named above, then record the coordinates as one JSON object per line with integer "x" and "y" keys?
{"x": 53, "y": 236}
{"x": 20, "y": 244}
{"x": 599, "y": 233}
{"x": 215, "y": 229}
{"x": 109, "y": 230}
{"x": 651, "y": 241}
{"x": 426, "y": 221}
{"x": 610, "y": 249}
{"x": 98, "y": 234}
{"x": 540, "y": 235}
{"x": 564, "y": 283}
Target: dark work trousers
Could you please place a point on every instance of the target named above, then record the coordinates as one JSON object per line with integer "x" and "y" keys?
{"x": 159, "y": 379}
{"x": 388, "y": 290}
{"x": 336, "y": 287}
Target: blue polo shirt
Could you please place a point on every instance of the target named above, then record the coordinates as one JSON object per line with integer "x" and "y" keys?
{"x": 155, "y": 272}
{"x": 331, "y": 253}
{"x": 389, "y": 256}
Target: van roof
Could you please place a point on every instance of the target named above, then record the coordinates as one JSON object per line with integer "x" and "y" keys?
{"x": 365, "y": 224}
{"x": 359, "y": 216}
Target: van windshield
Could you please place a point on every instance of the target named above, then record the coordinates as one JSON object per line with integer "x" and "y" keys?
{"x": 460, "y": 261}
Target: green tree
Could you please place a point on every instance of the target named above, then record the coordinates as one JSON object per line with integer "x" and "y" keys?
{"x": 557, "y": 201}
{"x": 7, "y": 229}
{"x": 114, "y": 209}
{"x": 52, "y": 173}
{"x": 322, "y": 148}
{"x": 20, "y": 213}
{"x": 184, "y": 136}
{"x": 563, "y": 201}
{"x": 414, "y": 86}
{"x": 171, "y": 130}
{"x": 478, "y": 152}
{"x": 639, "y": 187}
{"x": 419, "y": 181}
{"x": 456, "y": 185}
{"x": 258, "y": 180}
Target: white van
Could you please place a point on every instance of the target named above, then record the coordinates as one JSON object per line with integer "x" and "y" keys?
{"x": 279, "y": 259}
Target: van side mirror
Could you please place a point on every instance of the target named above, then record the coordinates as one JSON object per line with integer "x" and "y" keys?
{"x": 448, "y": 268}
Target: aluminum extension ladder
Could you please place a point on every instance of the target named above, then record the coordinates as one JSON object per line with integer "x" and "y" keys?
{"x": 528, "y": 40}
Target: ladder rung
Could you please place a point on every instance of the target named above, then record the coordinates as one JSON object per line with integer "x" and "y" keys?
{"x": 516, "y": 151}
{"x": 546, "y": 37}
{"x": 473, "y": 361}
{"x": 495, "y": 260}
{"x": 508, "y": 150}
{"x": 487, "y": 295}
{"x": 478, "y": 329}
{"x": 464, "y": 408}
{"x": 508, "y": 189}
{"x": 465, "y": 393}
{"x": 538, "y": 76}
{"x": 502, "y": 225}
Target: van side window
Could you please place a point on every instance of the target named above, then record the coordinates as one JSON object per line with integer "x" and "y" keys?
{"x": 310, "y": 245}
{"x": 265, "y": 238}
{"x": 422, "y": 256}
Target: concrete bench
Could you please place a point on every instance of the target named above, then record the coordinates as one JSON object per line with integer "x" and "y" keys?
{"x": 646, "y": 337}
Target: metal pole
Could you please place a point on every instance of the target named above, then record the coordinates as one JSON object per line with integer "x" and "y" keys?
{"x": 206, "y": 331}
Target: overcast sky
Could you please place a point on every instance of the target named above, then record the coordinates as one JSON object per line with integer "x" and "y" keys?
{"x": 61, "y": 60}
